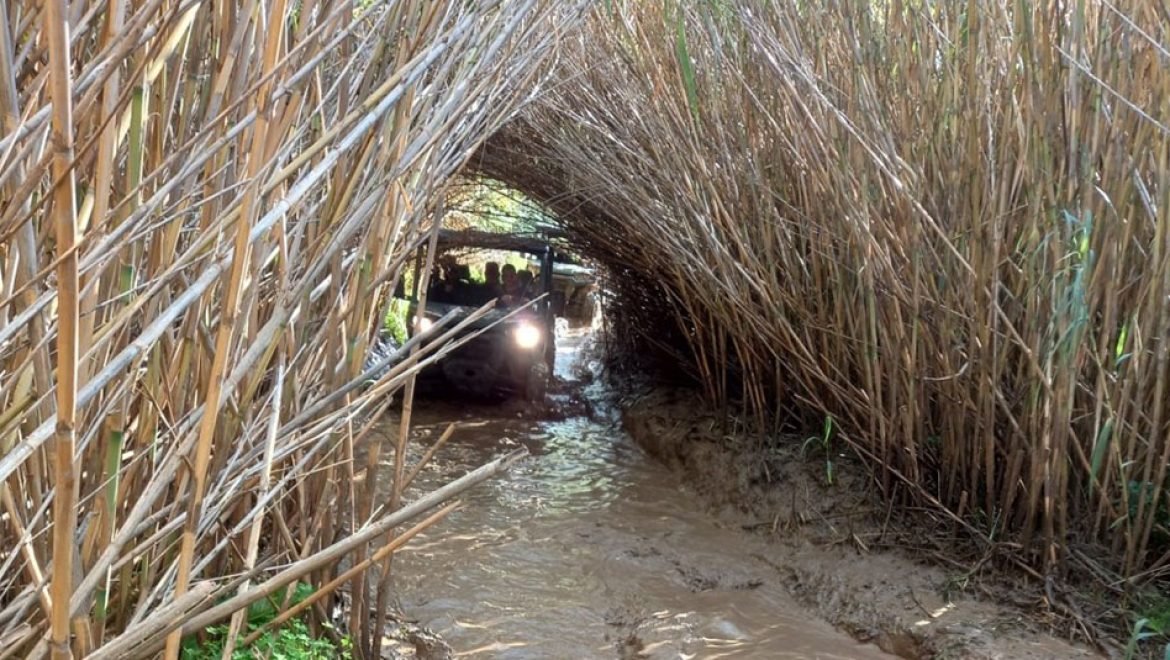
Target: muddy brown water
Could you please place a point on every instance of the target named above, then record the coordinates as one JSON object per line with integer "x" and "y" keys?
{"x": 590, "y": 549}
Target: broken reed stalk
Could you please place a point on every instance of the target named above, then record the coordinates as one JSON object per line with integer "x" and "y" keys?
{"x": 205, "y": 416}
{"x": 257, "y": 528}
{"x": 329, "y": 556}
{"x": 935, "y": 224}
{"x": 355, "y": 570}
{"x": 382, "y": 597}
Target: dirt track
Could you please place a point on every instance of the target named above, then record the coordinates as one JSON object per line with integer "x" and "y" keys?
{"x": 590, "y": 549}
{"x": 836, "y": 549}
{"x": 639, "y": 530}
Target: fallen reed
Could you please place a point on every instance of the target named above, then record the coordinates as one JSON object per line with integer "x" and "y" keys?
{"x": 943, "y": 225}
{"x": 202, "y": 209}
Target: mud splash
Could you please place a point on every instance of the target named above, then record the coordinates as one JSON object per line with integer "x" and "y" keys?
{"x": 590, "y": 549}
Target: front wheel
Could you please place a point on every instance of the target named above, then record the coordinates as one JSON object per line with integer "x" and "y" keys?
{"x": 536, "y": 382}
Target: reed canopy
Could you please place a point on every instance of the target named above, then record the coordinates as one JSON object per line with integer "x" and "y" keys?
{"x": 202, "y": 207}
{"x": 943, "y": 227}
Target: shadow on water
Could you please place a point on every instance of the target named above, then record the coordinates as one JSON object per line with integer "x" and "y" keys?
{"x": 589, "y": 549}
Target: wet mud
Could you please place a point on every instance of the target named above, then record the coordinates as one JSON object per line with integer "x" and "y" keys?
{"x": 884, "y": 579}
{"x": 638, "y": 529}
{"x": 590, "y": 549}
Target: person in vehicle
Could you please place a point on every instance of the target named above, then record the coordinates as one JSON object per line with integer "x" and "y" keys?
{"x": 437, "y": 282}
{"x": 460, "y": 284}
{"x": 511, "y": 288}
{"x": 491, "y": 278}
{"x": 445, "y": 285}
{"x": 511, "y": 282}
{"x": 526, "y": 286}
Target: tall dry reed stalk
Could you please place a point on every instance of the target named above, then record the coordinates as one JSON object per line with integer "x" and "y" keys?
{"x": 943, "y": 225}
{"x": 64, "y": 201}
{"x": 190, "y": 331}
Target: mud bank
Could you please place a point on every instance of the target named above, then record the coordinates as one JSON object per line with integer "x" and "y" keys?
{"x": 884, "y": 580}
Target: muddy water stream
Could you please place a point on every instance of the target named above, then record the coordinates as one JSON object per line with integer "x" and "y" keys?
{"x": 589, "y": 549}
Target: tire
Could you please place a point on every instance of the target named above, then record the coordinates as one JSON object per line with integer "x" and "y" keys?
{"x": 536, "y": 383}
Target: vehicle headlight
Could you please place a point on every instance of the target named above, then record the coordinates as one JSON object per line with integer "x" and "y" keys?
{"x": 527, "y": 335}
{"x": 423, "y": 324}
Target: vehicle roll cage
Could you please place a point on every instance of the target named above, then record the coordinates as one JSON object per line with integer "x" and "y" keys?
{"x": 537, "y": 245}
{"x": 531, "y": 243}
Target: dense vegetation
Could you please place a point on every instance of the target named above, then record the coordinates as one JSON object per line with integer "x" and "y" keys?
{"x": 941, "y": 225}
{"x": 202, "y": 206}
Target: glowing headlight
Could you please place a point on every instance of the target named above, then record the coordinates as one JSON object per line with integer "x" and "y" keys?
{"x": 527, "y": 335}
{"x": 423, "y": 324}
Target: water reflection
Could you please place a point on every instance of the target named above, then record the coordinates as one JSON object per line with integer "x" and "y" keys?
{"x": 589, "y": 549}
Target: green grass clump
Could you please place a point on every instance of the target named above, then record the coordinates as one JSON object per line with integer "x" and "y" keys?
{"x": 292, "y": 640}
{"x": 395, "y": 321}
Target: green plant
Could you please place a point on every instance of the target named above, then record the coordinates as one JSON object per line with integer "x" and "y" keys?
{"x": 395, "y": 321}
{"x": 292, "y": 640}
{"x": 1151, "y": 628}
{"x": 490, "y": 205}
{"x": 825, "y": 441}
{"x": 1143, "y": 629}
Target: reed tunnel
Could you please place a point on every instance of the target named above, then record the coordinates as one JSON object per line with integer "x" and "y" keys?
{"x": 921, "y": 257}
{"x": 934, "y": 232}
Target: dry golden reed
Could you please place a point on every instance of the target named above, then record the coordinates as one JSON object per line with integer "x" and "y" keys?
{"x": 202, "y": 208}
{"x": 943, "y": 225}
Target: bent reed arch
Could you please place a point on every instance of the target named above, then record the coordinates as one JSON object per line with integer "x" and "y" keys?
{"x": 938, "y": 226}
{"x": 934, "y": 225}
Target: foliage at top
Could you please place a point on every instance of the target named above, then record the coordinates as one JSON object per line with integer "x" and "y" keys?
{"x": 489, "y": 205}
